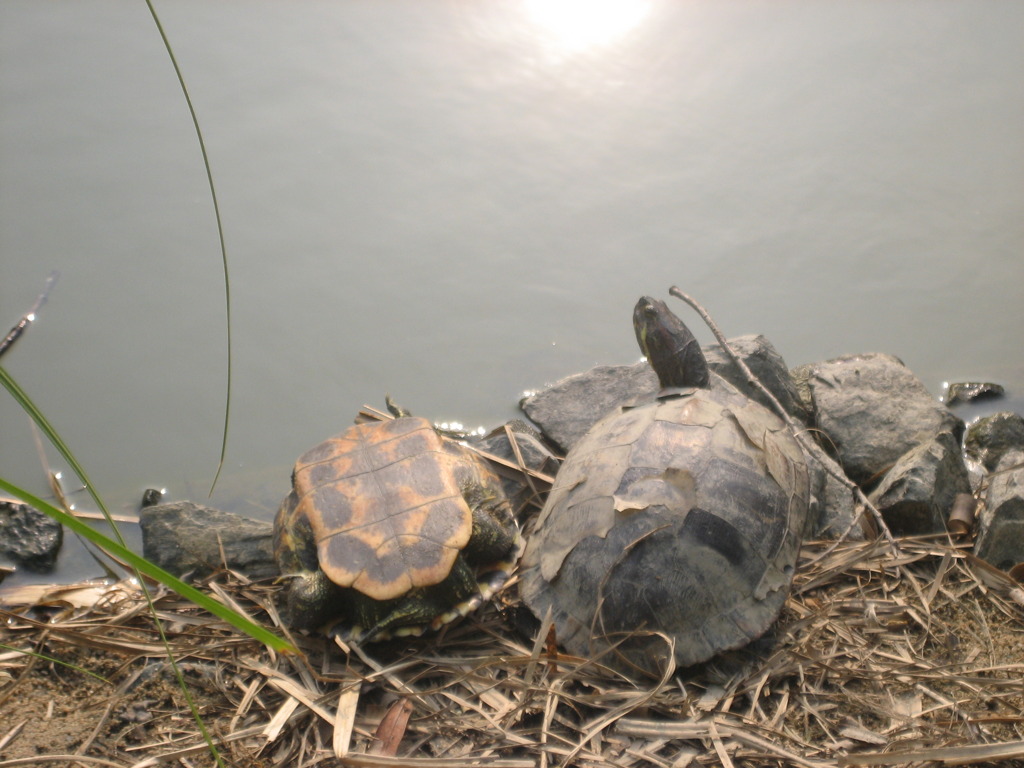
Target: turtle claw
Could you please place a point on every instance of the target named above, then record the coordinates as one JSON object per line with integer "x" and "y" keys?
{"x": 395, "y": 409}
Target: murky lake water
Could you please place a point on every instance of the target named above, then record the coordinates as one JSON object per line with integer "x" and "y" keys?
{"x": 457, "y": 201}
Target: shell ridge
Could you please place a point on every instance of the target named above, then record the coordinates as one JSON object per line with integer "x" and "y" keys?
{"x": 408, "y": 570}
{"x": 372, "y": 457}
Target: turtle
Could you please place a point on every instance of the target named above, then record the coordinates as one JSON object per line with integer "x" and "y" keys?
{"x": 391, "y": 529}
{"x": 674, "y": 523}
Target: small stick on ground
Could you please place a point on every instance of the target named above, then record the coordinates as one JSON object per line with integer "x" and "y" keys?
{"x": 812, "y": 448}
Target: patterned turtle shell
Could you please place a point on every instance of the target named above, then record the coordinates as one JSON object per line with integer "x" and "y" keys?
{"x": 385, "y": 504}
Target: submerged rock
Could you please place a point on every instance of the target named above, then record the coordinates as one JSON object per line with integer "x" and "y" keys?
{"x": 966, "y": 391}
{"x": 151, "y": 497}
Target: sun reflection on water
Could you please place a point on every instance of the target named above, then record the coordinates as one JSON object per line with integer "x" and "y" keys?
{"x": 578, "y": 25}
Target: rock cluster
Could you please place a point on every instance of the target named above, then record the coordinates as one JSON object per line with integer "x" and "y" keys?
{"x": 871, "y": 413}
{"x": 904, "y": 448}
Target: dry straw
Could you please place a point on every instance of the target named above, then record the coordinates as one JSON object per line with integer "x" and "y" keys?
{"x": 877, "y": 660}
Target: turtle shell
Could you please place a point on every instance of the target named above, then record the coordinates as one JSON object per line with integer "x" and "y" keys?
{"x": 385, "y": 505}
{"x": 674, "y": 524}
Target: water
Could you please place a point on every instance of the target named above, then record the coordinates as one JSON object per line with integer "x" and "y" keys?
{"x": 456, "y": 202}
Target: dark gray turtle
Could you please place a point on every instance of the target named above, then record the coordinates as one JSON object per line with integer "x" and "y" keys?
{"x": 673, "y": 523}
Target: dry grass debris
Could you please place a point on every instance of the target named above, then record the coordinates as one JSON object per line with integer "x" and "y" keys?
{"x": 916, "y": 659}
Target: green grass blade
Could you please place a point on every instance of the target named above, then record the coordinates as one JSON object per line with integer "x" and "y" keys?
{"x": 122, "y": 552}
{"x": 227, "y": 307}
{"x": 43, "y": 423}
{"x": 220, "y": 233}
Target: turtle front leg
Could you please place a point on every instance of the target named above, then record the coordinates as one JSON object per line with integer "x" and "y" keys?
{"x": 495, "y": 538}
{"x": 309, "y": 599}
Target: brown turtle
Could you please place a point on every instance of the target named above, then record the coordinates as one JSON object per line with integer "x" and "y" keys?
{"x": 391, "y": 529}
{"x": 673, "y": 524}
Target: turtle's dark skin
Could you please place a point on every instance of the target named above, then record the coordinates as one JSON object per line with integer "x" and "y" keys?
{"x": 672, "y": 524}
{"x": 669, "y": 347}
{"x": 391, "y": 529}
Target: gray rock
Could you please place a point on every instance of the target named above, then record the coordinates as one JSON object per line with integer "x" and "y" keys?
{"x": 802, "y": 381}
{"x": 990, "y": 438}
{"x": 917, "y": 494}
{"x": 1001, "y": 521}
{"x": 536, "y": 457}
{"x": 151, "y": 497}
{"x": 29, "y": 537}
{"x": 874, "y": 410}
{"x": 837, "y": 510}
{"x": 186, "y": 538}
{"x": 567, "y": 409}
{"x": 767, "y": 365}
{"x": 975, "y": 471}
{"x": 966, "y": 391}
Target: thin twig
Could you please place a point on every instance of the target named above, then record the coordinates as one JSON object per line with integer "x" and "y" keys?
{"x": 811, "y": 447}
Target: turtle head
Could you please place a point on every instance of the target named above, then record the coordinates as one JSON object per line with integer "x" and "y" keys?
{"x": 670, "y": 348}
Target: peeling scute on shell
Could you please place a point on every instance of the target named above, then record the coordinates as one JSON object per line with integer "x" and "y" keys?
{"x": 785, "y": 462}
{"x": 666, "y": 444}
{"x": 782, "y": 455}
{"x": 587, "y": 478}
{"x": 620, "y": 427}
{"x": 592, "y": 517}
{"x": 693, "y": 410}
{"x": 645, "y": 487}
